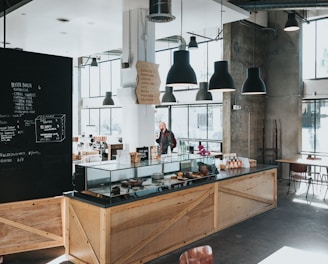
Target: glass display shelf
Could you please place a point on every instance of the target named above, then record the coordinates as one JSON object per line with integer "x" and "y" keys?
{"x": 115, "y": 181}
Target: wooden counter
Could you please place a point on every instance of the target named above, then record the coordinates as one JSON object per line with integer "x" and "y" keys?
{"x": 142, "y": 230}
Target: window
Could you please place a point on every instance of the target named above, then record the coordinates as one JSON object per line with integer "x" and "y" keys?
{"x": 315, "y": 50}
{"x": 315, "y": 126}
{"x": 315, "y": 66}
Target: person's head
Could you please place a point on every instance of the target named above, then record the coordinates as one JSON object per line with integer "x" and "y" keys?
{"x": 162, "y": 126}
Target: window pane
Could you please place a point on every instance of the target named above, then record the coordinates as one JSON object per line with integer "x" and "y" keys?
{"x": 105, "y": 121}
{"x": 180, "y": 122}
{"x": 308, "y": 58}
{"x": 116, "y": 75}
{"x": 164, "y": 59}
{"x": 105, "y": 77}
{"x": 322, "y": 49}
{"x": 85, "y": 81}
{"x": 161, "y": 115}
{"x": 94, "y": 81}
{"x": 116, "y": 122}
{"x": 84, "y": 120}
{"x": 215, "y": 122}
{"x": 322, "y": 127}
{"x": 93, "y": 126}
{"x": 198, "y": 122}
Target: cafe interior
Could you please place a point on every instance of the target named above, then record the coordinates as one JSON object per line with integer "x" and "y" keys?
{"x": 258, "y": 89}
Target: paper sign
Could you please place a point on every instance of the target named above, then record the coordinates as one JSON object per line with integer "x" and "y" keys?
{"x": 148, "y": 82}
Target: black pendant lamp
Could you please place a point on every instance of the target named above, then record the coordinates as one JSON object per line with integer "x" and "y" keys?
{"x": 168, "y": 96}
{"x": 203, "y": 93}
{"x": 192, "y": 43}
{"x": 291, "y": 24}
{"x": 181, "y": 73}
{"x": 160, "y": 11}
{"x": 108, "y": 99}
{"x": 94, "y": 62}
{"x": 221, "y": 80}
{"x": 253, "y": 84}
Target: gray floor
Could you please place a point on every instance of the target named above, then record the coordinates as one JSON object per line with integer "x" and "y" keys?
{"x": 297, "y": 223}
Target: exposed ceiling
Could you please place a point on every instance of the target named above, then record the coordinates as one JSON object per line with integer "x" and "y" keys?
{"x": 76, "y": 28}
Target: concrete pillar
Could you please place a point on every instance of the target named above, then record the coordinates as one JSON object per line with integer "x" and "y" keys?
{"x": 138, "y": 45}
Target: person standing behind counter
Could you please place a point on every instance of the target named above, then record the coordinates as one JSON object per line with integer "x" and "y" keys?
{"x": 166, "y": 138}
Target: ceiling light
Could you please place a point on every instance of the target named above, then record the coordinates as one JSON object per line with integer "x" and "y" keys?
{"x": 108, "y": 99}
{"x": 160, "y": 11}
{"x": 291, "y": 24}
{"x": 253, "y": 84}
{"x": 168, "y": 96}
{"x": 192, "y": 43}
{"x": 94, "y": 62}
{"x": 221, "y": 80}
{"x": 203, "y": 93}
{"x": 181, "y": 73}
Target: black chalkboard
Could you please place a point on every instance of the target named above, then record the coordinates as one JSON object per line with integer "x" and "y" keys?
{"x": 35, "y": 125}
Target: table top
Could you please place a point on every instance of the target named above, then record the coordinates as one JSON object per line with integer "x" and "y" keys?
{"x": 318, "y": 161}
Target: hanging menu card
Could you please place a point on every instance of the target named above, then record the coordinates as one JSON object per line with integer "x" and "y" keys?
{"x": 35, "y": 125}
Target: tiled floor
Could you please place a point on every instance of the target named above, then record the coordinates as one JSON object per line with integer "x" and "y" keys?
{"x": 295, "y": 232}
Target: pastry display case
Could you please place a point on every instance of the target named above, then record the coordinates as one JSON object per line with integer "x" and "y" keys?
{"x": 116, "y": 182}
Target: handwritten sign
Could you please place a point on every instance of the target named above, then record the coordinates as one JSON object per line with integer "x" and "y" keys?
{"x": 148, "y": 82}
{"x": 50, "y": 128}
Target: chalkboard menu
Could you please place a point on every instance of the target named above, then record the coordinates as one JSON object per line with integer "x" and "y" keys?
{"x": 35, "y": 125}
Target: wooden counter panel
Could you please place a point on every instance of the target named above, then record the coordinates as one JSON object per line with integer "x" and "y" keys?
{"x": 144, "y": 229}
{"x": 244, "y": 197}
{"x": 30, "y": 225}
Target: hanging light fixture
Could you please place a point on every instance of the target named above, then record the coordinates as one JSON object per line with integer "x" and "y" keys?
{"x": 253, "y": 84}
{"x": 94, "y": 62}
{"x": 291, "y": 23}
{"x": 160, "y": 11}
{"x": 168, "y": 96}
{"x": 203, "y": 93}
{"x": 108, "y": 99}
{"x": 192, "y": 43}
{"x": 181, "y": 73}
{"x": 221, "y": 80}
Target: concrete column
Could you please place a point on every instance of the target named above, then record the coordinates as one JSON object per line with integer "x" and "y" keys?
{"x": 138, "y": 45}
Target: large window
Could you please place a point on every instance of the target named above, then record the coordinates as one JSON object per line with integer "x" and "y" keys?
{"x": 315, "y": 50}
{"x": 315, "y": 66}
{"x": 315, "y": 126}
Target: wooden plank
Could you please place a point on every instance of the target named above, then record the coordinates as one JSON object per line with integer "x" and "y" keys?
{"x": 162, "y": 228}
{"x": 32, "y": 224}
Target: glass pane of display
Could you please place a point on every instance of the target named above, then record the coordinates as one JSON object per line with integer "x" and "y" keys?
{"x": 180, "y": 121}
{"x": 94, "y": 82}
{"x": 105, "y": 77}
{"x": 308, "y": 56}
{"x": 322, "y": 49}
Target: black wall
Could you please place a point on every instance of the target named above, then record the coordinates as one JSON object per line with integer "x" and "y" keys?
{"x": 35, "y": 125}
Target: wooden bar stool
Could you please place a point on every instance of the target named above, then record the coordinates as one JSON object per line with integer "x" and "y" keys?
{"x": 197, "y": 255}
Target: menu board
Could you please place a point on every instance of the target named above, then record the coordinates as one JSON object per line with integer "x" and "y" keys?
{"x": 35, "y": 125}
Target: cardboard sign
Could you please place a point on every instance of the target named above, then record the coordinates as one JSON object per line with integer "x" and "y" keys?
{"x": 148, "y": 82}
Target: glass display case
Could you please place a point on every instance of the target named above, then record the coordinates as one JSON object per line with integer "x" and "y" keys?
{"x": 114, "y": 181}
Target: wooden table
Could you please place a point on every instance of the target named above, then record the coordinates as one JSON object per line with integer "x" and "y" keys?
{"x": 315, "y": 162}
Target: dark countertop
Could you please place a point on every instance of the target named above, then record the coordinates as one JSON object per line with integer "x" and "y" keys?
{"x": 106, "y": 201}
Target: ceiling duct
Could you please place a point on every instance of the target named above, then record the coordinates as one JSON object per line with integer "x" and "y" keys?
{"x": 160, "y": 11}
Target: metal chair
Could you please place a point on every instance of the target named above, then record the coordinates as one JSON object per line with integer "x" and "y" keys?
{"x": 300, "y": 173}
{"x": 197, "y": 255}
